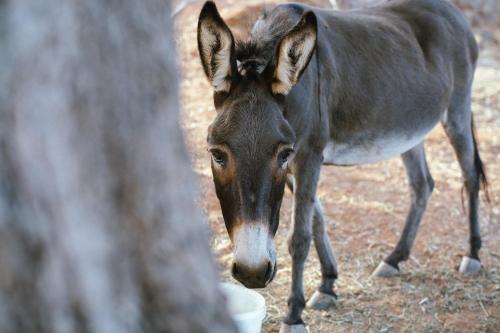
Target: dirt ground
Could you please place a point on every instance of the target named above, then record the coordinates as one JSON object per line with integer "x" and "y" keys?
{"x": 365, "y": 207}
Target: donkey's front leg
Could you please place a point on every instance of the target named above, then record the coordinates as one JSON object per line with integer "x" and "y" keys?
{"x": 324, "y": 297}
{"x": 306, "y": 170}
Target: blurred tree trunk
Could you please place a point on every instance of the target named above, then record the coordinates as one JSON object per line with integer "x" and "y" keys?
{"x": 98, "y": 227}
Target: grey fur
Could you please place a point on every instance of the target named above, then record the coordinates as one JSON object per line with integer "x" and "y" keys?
{"x": 421, "y": 186}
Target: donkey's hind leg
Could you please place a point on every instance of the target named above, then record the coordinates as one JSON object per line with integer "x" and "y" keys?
{"x": 324, "y": 297}
{"x": 421, "y": 185}
{"x": 460, "y": 130}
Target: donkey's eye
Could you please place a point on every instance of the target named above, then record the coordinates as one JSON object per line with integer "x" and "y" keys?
{"x": 218, "y": 156}
{"x": 284, "y": 155}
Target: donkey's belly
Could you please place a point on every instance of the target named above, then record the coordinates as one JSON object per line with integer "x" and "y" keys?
{"x": 359, "y": 151}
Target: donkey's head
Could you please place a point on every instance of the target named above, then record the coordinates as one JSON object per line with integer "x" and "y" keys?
{"x": 250, "y": 139}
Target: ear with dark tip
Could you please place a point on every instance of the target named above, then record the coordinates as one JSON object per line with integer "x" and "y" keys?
{"x": 293, "y": 54}
{"x": 216, "y": 48}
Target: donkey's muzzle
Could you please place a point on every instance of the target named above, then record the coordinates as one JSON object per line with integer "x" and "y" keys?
{"x": 254, "y": 255}
{"x": 254, "y": 277}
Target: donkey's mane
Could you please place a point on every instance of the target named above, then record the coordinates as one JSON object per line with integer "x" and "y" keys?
{"x": 254, "y": 53}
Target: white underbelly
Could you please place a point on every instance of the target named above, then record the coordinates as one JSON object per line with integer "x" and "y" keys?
{"x": 369, "y": 151}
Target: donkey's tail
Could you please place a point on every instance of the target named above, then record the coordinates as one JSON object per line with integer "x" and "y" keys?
{"x": 479, "y": 164}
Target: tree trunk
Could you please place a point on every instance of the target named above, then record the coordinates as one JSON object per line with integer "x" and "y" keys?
{"x": 98, "y": 227}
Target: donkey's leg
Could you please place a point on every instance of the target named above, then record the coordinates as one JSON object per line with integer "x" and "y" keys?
{"x": 421, "y": 185}
{"x": 306, "y": 170}
{"x": 324, "y": 297}
{"x": 459, "y": 128}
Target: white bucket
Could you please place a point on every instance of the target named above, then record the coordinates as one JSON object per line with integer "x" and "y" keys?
{"x": 247, "y": 307}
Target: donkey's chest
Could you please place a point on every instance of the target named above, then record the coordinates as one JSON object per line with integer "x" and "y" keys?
{"x": 370, "y": 149}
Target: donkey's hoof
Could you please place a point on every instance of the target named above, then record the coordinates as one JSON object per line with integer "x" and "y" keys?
{"x": 321, "y": 301}
{"x": 469, "y": 266}
{"x": 384, "y": 270}
{"x": 297, "y": 328}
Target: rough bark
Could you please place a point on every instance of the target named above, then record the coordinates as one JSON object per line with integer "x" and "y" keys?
{"x": 98, "y": 227}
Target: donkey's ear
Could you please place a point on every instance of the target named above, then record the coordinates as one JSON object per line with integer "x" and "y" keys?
{"x": 216, "y": 48}
{"x": 293, "y": 54}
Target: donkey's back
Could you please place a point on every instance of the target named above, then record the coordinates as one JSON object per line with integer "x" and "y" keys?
{"x": 392, "y": 72}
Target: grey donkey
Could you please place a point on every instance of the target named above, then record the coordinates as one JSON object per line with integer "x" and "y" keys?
{"x": 316, "y": 86}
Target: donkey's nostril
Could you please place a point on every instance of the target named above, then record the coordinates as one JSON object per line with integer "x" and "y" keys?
{"x": 269, "y": 272}
{"x": 255, "y": 276}
{"x": 235, "y": 271}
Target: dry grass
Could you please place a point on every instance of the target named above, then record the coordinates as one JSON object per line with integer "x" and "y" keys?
{"x": 365, "y": 207}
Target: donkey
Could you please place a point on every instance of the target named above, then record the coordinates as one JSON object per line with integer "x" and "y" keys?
{"x": 315, "y": 86}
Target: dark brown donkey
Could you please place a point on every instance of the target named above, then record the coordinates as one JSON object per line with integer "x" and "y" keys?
{"x": 315, "y": 86}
